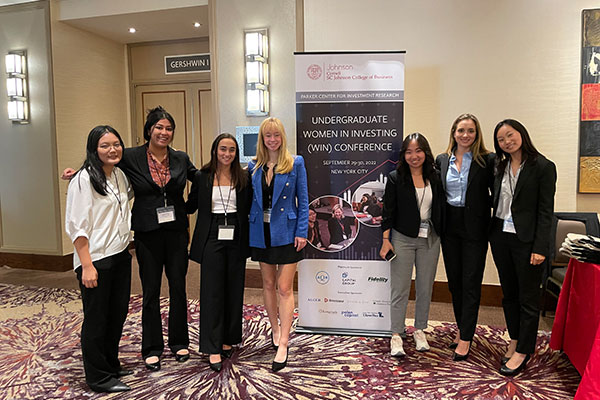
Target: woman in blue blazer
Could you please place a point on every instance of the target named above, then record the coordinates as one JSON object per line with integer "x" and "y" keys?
{"x": 278, "y": 227}
{"x": 524, "y": 187}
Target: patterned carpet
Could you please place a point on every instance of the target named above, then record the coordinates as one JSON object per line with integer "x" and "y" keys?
{"x": 41, "y": 359}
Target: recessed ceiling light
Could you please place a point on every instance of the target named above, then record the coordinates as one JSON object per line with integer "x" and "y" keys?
{"x": 131, "y": 30}
{"x": 197, "y": 24}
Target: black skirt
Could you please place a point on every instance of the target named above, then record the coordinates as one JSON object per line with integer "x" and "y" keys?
{"x": 285, "y": 254}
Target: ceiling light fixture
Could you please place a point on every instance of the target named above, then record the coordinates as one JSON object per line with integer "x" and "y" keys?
{"x": 132, "y": 30}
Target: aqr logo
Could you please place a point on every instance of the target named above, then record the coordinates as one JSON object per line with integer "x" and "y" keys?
{"x": 322, "y": 277}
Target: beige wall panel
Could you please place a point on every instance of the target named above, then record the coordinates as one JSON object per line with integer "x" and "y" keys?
{"x": 29, "y": 212}
{"x": 148, "y": 65}
{"x": 90, "y": 89}
{"x": 208, "y": 132}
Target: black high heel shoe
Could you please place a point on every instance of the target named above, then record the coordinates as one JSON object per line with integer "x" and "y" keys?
{"x": 504, "y": 360}
{"x": 182, "y": 357}
{"x": 462, "y": 357}
{"x": 227, "y": 352}
{"x": 215, "y": 366}
{"x": 155, "y": 366}
{"x": 504, "y": 370}
{"x": 278, "y": 366}
{"x": 273, "y": 342}
{"x": 452, "y": 345}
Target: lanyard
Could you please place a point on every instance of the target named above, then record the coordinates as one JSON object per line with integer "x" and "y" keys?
{"x": 422, "y": 198}
{"x": 117, "y": 194}
{"x": 510, "y": 178}
{"x": 225, "y": 205}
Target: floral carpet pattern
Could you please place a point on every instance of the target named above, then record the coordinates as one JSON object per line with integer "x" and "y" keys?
{"x": 41, "y": 359}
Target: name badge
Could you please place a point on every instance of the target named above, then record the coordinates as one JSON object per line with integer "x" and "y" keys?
{"x": 123, "y": 228}
{"x": 267, "y": 216}
{"x": 423, "y": 230}
{"x": 165, "y": 214}
{"x": 226, "y": 232}
{"x": 509, "y": 226}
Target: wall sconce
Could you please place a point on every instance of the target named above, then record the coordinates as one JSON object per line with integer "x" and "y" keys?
{"x": 16, "y": 86}
{"x": 257, "y": 72}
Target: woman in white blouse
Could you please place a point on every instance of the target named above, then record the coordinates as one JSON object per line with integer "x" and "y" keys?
{"x": 98, "y": 222}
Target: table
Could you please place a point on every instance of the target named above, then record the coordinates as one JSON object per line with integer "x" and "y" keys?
{"x": 576, "y": 328}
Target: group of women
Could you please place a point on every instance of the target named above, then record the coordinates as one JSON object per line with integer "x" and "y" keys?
{"x": 262, "y": 212}
{"x": 449, "y": 202}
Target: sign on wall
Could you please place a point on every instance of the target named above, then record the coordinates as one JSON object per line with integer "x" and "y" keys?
{"x": 187, "y": 63}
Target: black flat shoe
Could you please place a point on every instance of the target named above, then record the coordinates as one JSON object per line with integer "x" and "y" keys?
{"x": 452, "y": 345}
{"x": 278, "y": 366}
{"x": 216, "y": 366}
{"x": 273, "y": 342}
{"x": 504, "y": 370}
{"x": 462, "y": 357}
{"x": 182, "y": 357}
{"x": 227, "y": 352}
{"x": 504, "y": 360}
{"x": 112, "y": 386}
{"x": 123, "y": 372}
{"x": 155, "y": 366}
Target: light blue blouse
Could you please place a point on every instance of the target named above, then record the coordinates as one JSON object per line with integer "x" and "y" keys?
{"x": 456, "y": 181}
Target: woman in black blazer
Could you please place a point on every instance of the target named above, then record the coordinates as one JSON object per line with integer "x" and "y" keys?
{"x": 467, "y": 172}
{"x": 221, "y": 194}
{"x": 340, "y": 227}
{"x": 412, "y": 222}
{"x": 158, "y": 176}
{"x": 524, "y": 188}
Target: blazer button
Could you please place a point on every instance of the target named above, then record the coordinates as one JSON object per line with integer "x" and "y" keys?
{"x": 281, "y": 209}
{"x": 284, "y": 197}
{"x": 287, "y": 184}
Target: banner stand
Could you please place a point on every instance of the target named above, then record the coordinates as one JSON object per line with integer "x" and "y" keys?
{"x": 341, "y": 332}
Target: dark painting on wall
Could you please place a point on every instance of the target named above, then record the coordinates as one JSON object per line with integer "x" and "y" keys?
{"x": 589, "y": 117}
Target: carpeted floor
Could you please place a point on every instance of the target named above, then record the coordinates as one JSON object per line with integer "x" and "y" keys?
{"x": 39, "y": 346}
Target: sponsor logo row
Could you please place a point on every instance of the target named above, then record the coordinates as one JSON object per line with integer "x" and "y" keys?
{"x": 353, "y": 314}
{"x": 323, "y": 278}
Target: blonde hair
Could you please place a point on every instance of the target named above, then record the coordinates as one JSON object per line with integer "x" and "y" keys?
{"x": 285, "y": 161}
{"x": 477, "y": 147}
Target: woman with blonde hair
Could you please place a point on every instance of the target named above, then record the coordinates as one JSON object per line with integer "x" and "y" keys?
{"x": 467, "y": 174}
{"x": 278, "y": 227}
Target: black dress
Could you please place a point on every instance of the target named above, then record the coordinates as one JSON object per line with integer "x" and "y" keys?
{"x": 285, "y": 254}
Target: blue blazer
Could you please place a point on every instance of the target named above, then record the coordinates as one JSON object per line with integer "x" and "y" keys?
{"x": 289, "y": 213}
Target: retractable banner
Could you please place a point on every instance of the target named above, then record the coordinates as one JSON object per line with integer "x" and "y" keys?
{"x": 350, "y": 112}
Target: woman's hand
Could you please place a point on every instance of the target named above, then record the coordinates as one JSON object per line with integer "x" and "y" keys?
{"x": 385, "y": 247}
{"x": 67, "y": 174}
{"x": 89, "y": 276}
{"x": 299, "y": 243}
{"x": 536, "y": 259}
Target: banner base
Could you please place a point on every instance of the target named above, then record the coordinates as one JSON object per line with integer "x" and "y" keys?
{"x": 342, "y": 332}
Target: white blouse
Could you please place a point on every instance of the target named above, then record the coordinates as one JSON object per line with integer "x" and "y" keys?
{"x": 97, "y": 217}
{"x": 424, "y": 201}
{"x": 220, "y": 197}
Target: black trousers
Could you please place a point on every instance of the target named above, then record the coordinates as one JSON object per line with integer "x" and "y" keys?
{"x": 222, "y": 277}
{"x": 154, "y": 250}
{"x": 520, "y": 286}
{"x": 104, "y": 312}
{"x": 464, "y": 259}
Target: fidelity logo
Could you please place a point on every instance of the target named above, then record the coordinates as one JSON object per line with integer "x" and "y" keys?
{"x": 346, "y": 280}
{"x": 372, "y": 314}
{"x": 328, "y": 300}
{"x": 314, "y": 71}
{"x": 379, "y": 279}
{"x": 349, "y": 314}
{"x": 321, "y": 311}
{"x": 322, "y": 277}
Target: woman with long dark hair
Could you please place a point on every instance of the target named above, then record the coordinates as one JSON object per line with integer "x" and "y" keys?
{"x": 524, "y": 187}
{"x": 467, "y": 172}
{"x": 98, "y": 223}
{"x": 221, "y": 193}
{"x": 278, "y": 227}
{"x": 412, "y": 222}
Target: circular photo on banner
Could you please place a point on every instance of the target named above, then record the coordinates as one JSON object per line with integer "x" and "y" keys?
{"x": 331, "y": 224}
{"x": 367, "y": 203}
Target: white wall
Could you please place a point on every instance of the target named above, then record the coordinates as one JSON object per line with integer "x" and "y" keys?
{"x": 495, "y": 59}
{"x": 233, "y": 17}
{"x": 30, "y": 219}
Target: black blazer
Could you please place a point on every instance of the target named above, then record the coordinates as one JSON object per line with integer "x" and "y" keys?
{"x": 478, "y": 201}
{"x": 533, "y": 202}
{"x": 401, "y": 210}
{"x": 200, "y": 199}
{"x": 148, "y": 195}
{"x": 335, "y": 229}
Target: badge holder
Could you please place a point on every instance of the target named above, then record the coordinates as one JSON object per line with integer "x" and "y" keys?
{"x": 267, "y": 216}
{"x": 165, "y": 214}
{"x": 509, "y": 226}
{"x": 423, "y": 230}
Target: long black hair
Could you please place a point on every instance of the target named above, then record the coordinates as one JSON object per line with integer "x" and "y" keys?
{"x": 155, "y": 115}
{"x": 429, "y": 172}
{"x": 93, "y": 164}
{"x": 528, "y": 150}
{"x": 239, "y": 177}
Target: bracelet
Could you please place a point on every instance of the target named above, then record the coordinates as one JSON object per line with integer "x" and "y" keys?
{"x": 386, "y": 238}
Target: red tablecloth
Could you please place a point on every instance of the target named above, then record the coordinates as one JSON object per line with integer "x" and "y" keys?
{"x": 576, "y": 328}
